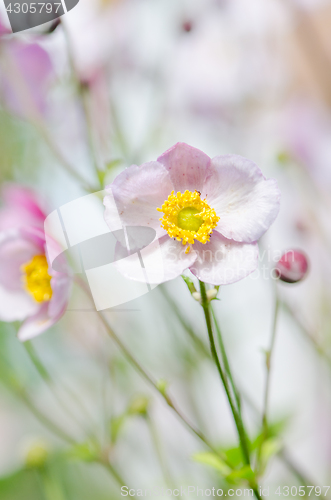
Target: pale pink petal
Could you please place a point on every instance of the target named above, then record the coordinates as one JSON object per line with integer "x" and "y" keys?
{"x": 16, "y": 250}
{"x": 187, "y": 166}
{"x": 222, "y": 261}
{"x": 163, "y": 260}
{"x": 16, "y": 305}
{"x": 245, "y": 201}
{"x": 61, "y": 287}
{"x": 21, "y": 208}
{"x": 36, "y": 324}
{"x": 138, "y": 192}
{"x": 28, "y": 79}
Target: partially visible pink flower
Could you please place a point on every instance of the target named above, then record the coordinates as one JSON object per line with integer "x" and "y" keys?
{"x": 27, "y": 72}
{"x": 30, "y": 290}
{"x": 21, "y": 208}
{"x": 292, "y": 266}
{"x": 211, "y": 226}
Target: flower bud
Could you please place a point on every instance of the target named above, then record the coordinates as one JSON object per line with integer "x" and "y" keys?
{"x": 139, "y": 405}
{"x": 292, "y": 266}
{"x": 36, "y": 454}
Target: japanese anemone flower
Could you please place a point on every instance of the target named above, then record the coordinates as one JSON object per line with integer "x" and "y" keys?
{"x": 212, "y": 211}
{"x": 30, "y": 291}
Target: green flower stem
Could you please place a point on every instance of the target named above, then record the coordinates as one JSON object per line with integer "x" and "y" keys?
{"x": 83, "y": 95}
{"x": 159, "y": 451}
{"x": 268, "y": 366}
{"x": 113, "y": 472}
{"x": 283, "y": 455}
{"x": 239, "y": 424}
{"x": 47, "y": 378}
{"x": 153, "y": 383}
{"x": 226, "y": 361}
{"x": 52, "y": 488}
{"x": 187, "y": 327}
{"x": 318, "y": 348}
{"x": 43, "y": 419}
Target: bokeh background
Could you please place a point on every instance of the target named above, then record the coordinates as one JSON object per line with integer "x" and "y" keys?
{"x": 117, "y": 83}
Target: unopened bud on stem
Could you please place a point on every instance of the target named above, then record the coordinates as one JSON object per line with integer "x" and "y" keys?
{"x": 292, "y": 266}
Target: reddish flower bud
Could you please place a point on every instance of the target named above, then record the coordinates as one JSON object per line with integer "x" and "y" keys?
{"x": 292, "y": 266}
{"x": 187, "y": 26}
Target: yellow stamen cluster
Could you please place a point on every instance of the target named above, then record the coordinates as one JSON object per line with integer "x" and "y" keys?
{"x": 37, "y": 280}
{"x": 187, "y": 217}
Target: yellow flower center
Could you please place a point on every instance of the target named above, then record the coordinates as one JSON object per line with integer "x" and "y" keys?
{"x": 37, "y": 280}
{"x": 187, "y": 217}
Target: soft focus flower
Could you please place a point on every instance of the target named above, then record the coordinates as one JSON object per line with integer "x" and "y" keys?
{"x": 30, "y": 291}
{"x": 212, "y": 213}
{"x": 27, "y": 72}
{"x": 292, "y": 266}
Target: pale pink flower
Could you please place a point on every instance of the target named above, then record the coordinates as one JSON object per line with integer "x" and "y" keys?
{"x": 214, "y": 211}
{"x": 30, "y": 290}
{"x": 27, "y": 72}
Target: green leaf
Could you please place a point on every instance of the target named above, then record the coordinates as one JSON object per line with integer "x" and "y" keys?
{"x": 139, "y": 406}
{"x": 234, "y": 456}
{"x": 85, "y": 452}
{"x": 245, "y": 473}
{"x": 270, "y": 448}
{"x": 213, "y": 460}
{"x": 116, "y": 425}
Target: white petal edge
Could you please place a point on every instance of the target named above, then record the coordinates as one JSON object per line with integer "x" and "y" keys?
{"x": 245, "y": 201}
{"x": 163, "y": 260}
{"x": 222, "y": 261}
{"x": 16, "y": 305}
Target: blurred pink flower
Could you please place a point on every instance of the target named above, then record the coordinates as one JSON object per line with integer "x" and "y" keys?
{"x": 21, "y": 208}
{"x": 306, "y": 130}
{"x": 292, "y": 266}
{"x": 30, "y": 290}
{"x": 222, "y": 207}
{"x": 26, "y": 76}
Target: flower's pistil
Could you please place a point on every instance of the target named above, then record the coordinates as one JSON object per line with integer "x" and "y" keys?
{"x": 187, "y": 217}
{"x": 36, "y": 278}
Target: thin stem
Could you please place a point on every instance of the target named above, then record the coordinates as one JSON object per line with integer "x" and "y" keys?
{"x": 41, "y": 128}
{"x": 187, "y": 327}
{"x": 52, "y": 427}
{"x": 268, "y": 365}
{"x": 52, "y": 488}
{"x": 81, "y": 90}
{"x": 283, "y": 455}
{"x": 47, "y": 378}
{"x": 226, "y": 361}
{"x": 269, "y": 354}
{"x": 319, "y": 349}
{"x": 153, "y": 383}
{"x": 159, "y": 451}
{"x": 113, "y": 472}
{"x": 241, "y": 432}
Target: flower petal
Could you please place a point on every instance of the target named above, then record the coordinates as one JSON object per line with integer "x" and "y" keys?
{"x": 61, "y": 287}
{"x": 245, "y": 201}
{"x": 187, "y": 166}
{"x": 37, "y": 324}
{"x": 16, "y": 305}
{"x": 138, "y": 192}
{"x": 16, "y": 249}
{"x": 163, "y": 260}
{"x": 222, "y": 261}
